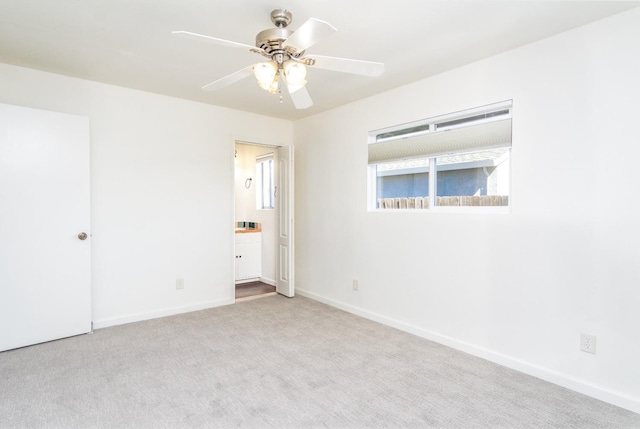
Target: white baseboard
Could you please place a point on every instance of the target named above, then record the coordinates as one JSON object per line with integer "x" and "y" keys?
{"x": 552, "y": 376}
{"x": 268, "y": 281}
{"x": 105, "y": 323}
{"x": 243, "y": 281}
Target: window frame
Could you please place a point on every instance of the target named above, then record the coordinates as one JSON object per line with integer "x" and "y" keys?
{"x": 432, "y": 123}
{"x": 261, "y": 160}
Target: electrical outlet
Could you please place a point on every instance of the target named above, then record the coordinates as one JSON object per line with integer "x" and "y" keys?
{"x": 355, "y": 285}
{"x": 179, "y": 284}
{"x": 588, "y": 343}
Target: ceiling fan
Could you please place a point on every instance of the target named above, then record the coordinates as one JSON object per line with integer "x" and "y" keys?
{"x": 286, "y": 51}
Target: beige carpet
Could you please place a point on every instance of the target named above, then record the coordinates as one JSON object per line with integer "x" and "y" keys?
{"x": 276, "y": 363}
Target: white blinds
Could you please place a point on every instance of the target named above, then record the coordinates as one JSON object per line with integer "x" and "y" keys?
{"x": 476, "y": 137}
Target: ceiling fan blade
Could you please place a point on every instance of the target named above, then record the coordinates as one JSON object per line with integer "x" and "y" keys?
{"x": 308, "y": 34}
{"x": 301, "y": 98}
{"x": 229, "y": 79}
{"x": 203, "y": 38}
{"x": 364, "y": 68}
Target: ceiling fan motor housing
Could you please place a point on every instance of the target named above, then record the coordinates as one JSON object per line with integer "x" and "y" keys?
{"x": 281, "y": 17}
{"x": 271, "y": 40}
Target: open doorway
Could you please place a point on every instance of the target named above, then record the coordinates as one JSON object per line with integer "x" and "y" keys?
{"x": 256, "y": 220}
{"x": 263, "y": 246}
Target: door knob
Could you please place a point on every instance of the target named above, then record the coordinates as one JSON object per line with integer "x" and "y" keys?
{"x": 82, "y": 236}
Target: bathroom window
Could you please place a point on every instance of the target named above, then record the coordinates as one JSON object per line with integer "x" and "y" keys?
{"x": 265, "y": 190}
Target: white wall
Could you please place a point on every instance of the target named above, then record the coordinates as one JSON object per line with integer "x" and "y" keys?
{"x": 518, "y": 288}
{"x": 161, "y": 185}
{"x": 245, "y": 167}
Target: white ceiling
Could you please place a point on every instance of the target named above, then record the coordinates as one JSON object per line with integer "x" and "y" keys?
{"x": 129, "y": 42}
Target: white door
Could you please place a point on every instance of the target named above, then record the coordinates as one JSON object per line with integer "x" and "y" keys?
{"x": 45, "y": 271}
{"x": 284, "y": 200}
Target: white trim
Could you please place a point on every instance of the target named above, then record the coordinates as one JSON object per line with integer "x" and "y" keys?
{"x": 232, "y": 224}
{"x": 433, "y": 183}
{"x": 261, "y": 162}
{"x": 270, "y": 282}
{"x": 570, "y": 382}
{"x": 137, "y": 317}
{"x": 269, "y": 155}
{"x": 253, "y": 141}
{"x": 464, "y": 210}
{"x": 249, "y": 280}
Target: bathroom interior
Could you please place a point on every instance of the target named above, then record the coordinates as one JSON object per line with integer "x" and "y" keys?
{"x": 255, "y": 226}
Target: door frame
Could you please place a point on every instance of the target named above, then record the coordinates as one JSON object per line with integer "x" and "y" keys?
{"x": 232, "y": 157}
{"x": 285, "y": 247}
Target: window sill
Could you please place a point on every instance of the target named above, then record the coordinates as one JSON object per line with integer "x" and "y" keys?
{"x": 463, "y": 210}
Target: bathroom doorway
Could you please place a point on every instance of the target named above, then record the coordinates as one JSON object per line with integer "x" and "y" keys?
{"x": 258, "y": 259}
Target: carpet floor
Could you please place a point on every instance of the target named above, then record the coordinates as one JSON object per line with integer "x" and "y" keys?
{"x": 277, "y": 363}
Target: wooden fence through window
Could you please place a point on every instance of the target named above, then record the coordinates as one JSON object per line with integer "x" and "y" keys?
{"x": 455, "y": 201}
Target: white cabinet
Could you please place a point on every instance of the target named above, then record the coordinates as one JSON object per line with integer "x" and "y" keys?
{"x": 248, "y": 255}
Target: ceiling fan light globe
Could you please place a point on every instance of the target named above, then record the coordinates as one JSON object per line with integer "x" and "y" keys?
{"x": 265, "y": 73}
{"x": 295, "y": 73}
{"x": 263, "y": 86}
{"x": 273, "y": 88}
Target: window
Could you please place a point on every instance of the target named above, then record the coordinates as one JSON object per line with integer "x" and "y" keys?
{"x": 265, "y": 190}
{"x": 459, "y": 160}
